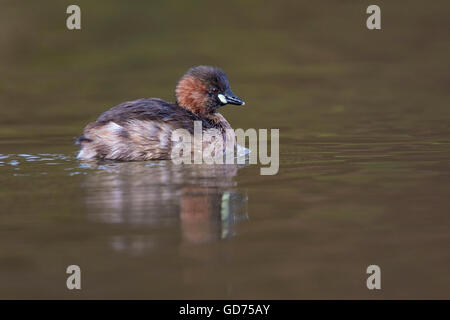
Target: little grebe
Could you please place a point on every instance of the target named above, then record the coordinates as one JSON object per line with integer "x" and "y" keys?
{"x": 142, "y": 129}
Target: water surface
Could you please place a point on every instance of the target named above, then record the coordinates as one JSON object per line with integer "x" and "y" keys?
{"x": 364, "y": 157}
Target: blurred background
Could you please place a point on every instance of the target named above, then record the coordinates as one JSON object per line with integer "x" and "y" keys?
{"x": 364, "y": 152}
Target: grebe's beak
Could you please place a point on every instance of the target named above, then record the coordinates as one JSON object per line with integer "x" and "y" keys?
{"x": 230, "y": 98}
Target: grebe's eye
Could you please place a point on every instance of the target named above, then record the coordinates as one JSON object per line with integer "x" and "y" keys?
{"x": 214, "y": 90}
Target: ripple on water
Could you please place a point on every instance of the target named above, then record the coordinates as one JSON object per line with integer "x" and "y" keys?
{"x": 33, "y": 164}
{"x": 68, "y": 165}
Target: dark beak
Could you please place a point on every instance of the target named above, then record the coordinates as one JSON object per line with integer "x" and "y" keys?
{"x": 235, "y": 100}
{"x": 232, "y": 99}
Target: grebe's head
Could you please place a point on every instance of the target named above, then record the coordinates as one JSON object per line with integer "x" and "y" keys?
{"x": 204, "y": 89}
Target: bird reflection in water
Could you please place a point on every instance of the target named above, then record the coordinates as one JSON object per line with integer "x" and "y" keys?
{"x": 203, "y": 199}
